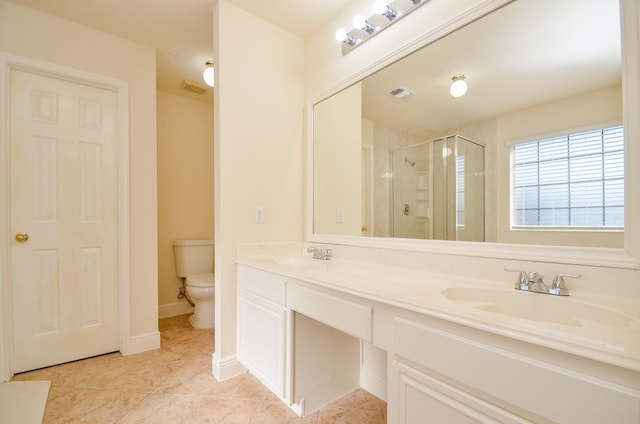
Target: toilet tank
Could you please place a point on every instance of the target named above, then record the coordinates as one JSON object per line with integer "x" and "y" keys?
{"x": 193, "y": 257}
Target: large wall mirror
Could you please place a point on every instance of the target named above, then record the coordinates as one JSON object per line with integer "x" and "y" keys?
{"x": 531, "y": 154}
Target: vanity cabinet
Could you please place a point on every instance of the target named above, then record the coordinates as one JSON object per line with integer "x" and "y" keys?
{"x": 262, "y": 327}
{"x": 306, "y": 342}
{"x": 441, "y": 372}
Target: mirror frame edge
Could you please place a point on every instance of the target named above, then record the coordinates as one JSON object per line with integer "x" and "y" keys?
{"x": 626, "y": 258}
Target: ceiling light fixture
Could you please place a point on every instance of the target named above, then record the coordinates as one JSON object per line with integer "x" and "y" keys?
{"x": 386, "y": 13}
{"x": 208, "y": 74}
{"x": 459, "y": 86}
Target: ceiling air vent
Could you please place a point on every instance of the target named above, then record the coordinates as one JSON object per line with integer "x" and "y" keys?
{"x": 401, "y": 93}
{"x": 193, "y": 87}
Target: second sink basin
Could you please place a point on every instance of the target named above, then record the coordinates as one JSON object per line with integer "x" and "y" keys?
{"x": 537, "y": 307}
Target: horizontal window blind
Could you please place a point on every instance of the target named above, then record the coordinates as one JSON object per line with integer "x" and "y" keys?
{"x": 570, "y": 181}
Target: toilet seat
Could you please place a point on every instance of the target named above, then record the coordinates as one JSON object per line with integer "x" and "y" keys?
{"x": 201, "y": 280}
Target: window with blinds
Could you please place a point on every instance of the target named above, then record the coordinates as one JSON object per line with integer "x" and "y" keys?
{"x": 575, "y": 180}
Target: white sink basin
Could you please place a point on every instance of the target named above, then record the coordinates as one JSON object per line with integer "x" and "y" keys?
{"x": 537, "y": 307}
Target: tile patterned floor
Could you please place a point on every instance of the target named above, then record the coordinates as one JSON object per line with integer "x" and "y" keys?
{"x": 174, "y": 384}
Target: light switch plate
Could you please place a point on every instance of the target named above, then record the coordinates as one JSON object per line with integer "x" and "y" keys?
{"x": 259, "y": 215}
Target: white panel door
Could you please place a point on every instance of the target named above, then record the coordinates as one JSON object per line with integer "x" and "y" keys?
{"x": 63, "y": 194}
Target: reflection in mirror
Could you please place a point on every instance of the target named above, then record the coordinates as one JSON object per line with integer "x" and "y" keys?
{"x": 439, "y": 194}
{"x": 536, "y": 70}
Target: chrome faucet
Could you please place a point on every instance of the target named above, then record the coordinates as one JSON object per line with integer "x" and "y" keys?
{"x": 533, "y": 282}
{"x": 322, "y": 254}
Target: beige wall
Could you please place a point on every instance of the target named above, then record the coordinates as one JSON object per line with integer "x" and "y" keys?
{"x": 258, "y": 109}
{"x": 185, "y": 187}
{"x": 39, "y": 36}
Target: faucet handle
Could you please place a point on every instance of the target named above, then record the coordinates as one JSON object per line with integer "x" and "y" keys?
{"x": 315, "y": 251}
{"x": 558, "y": 287}
{"x": 523, "y": 282}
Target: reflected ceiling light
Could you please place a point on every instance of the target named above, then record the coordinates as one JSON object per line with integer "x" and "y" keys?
{"x": 207, "y": 75}
{"x": 359, "y": 22}
{"x": 459, "y": 86}
{"x": 382, "y": 8}
{"x": 343, "y": 36}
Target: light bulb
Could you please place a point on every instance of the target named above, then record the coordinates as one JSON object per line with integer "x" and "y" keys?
{"x": 380, "y": 7}
{"x": 458, "y": 86}
{"x": 341, "y": 34}
{"x": 207, "y": 76}
{"x": 359, "y": 22}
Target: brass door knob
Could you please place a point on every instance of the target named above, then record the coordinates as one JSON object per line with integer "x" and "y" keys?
{"x": 22, "y": 237}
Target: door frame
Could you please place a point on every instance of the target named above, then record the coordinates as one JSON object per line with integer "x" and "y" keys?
{"x": 10, "y": 62}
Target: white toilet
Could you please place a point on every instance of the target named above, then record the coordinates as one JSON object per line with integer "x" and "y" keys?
{"x": 194, "y": 263}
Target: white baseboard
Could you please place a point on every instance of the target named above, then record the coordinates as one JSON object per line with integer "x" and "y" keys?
{"x": 174, "y": 309}
{"x": 143, "y": 343}
{"x": 226, "y": 368}
{"x": 373, "y": 383}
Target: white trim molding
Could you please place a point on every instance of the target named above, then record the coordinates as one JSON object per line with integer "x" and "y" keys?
{"x": 227, "y": 367}
{"x": 174, "y": 309}
{"x": 143, "y": 342}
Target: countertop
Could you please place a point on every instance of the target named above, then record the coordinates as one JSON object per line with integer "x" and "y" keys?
{"x": 605, "y": 329}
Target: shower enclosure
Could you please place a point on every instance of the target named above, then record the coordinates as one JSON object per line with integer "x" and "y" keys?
{"x": 438, "y": 190}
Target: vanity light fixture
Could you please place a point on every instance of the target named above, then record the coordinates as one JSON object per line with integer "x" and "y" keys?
{"x": 386, "y": 12}
{"x": 359, "y": 22}
{"x": 207, "y": 75}
{"x": 459, "y": 86}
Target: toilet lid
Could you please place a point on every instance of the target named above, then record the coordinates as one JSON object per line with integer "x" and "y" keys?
{"x": 201, "y": 280}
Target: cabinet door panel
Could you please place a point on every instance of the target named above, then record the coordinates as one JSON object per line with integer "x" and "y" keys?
{"x": 424, "y": 400}
{"x": 261, "y": 340}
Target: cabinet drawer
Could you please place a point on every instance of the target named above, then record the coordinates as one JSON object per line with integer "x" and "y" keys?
{"x": 262, "y": 284}
{"x": 534, "y": 385}
{"x": 347, "y": 316}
